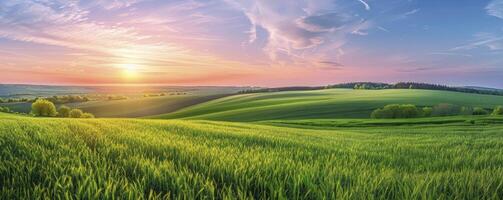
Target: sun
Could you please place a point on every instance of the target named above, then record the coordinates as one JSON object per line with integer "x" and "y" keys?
{"x": 129, "y": 71}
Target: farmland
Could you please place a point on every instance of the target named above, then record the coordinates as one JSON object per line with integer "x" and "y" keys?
{"x": 134, "y": 158}
{"x": 280, "y": 145}
{"x": 134, "y": 101}
{"x": 322, "y": 104}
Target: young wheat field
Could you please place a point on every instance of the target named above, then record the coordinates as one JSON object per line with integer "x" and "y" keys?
{"x": 172, "y": 159}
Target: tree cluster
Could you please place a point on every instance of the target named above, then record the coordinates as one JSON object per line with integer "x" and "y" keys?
{"x": 413, "y": 85}
{"x": 67, "y": 99}
{"x": 394, "y": 111}
{"x": 46, "y": 108}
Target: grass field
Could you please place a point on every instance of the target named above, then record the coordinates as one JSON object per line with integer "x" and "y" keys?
{"x": 135, "y": 106}
{"x": 453, "y": 158}
{"x": 318, "y": 104}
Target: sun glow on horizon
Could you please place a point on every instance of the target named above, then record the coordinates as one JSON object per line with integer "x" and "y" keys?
{"x": 129, "y": 71}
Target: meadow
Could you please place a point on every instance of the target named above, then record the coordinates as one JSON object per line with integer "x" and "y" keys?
{"x": 260, "y": 146}
{"x": 322, "y": 104}
{"x": 136, "y": 101}
{"x": 192, "y": 159}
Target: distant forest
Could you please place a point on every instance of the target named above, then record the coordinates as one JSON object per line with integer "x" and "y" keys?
{"x": 382, "y": 86}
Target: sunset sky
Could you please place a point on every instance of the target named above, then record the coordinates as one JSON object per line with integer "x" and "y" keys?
{"x": 245, "y": 42}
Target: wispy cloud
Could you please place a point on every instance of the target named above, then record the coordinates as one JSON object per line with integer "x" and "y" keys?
{"x": 104, "y": 43}
{"x": 487, "y": 40}
{"x": 299, "y": 31}
{"x": 450, "y": 54}
{"x": 367, "y": 7}
{"x": 495, "y": 8}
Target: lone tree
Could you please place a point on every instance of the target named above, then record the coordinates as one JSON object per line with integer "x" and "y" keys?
{"x": 76, "y": 113}
{"x": 43, "y": 108}
{"x": 64, "y": 111}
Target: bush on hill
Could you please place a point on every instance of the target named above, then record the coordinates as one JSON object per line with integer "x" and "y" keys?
{"x": 76, "y": 113}
{"x": 479, "y": 111}
{"x": 87, "y": 115}
{"x": 427, "y": 111}
{"x": 43, "y": 108}
{"x": 394, "y": 111}
{"x": 498, "y": 110}
{"x": 64, "y": 111}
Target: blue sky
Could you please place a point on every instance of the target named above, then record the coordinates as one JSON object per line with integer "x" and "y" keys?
{"x": 263, "y": 42}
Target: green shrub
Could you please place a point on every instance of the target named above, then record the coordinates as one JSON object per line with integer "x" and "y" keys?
{"x": 2, "y": 109}
{"x": 394, "y": 111}
{"x": 64, "y": 111}
{"x": 43, "y": 108}
{"x": 479, "y": 111}
{"x": 498, "y": 110}
{"x": 427, "y": 111}
{"x": 75, "y": 113}
{"x": 87, "y": 115}
{"x": 446, "y": 109}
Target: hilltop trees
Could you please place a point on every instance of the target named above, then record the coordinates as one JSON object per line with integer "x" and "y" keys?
{"x": 43, "y": 108}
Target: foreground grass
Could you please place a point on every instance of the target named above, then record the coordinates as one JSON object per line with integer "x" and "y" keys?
{"x": 154, "y": 159}
{"x": 326, "y": 104}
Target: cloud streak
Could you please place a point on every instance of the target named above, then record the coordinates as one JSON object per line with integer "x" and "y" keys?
{"x": 365, "y": 4}
{"x": 495, "y": 8}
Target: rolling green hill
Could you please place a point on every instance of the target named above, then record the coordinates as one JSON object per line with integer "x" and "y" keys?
{"x": 322, "y": 104}
{"x": 135, "y": 107}
{"x": 155, "y": 159}
{"x": 139, "y": 107}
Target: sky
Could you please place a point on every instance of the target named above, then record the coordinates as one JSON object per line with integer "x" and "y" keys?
{"x": 254, "y": 43}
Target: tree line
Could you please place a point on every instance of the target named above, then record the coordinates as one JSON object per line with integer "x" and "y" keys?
{"x": 413, "y": 85}
{"x": 55, "y": 99}
{"x": 379, "y": 86}
{"x": 396, "y": 111}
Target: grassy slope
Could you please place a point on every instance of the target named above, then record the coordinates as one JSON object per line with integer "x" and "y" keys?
{"x": 101, "y": 158}
{"x": 143, "y": 106}
{"x": 333, "y": 103}
{"x": 136, "y": 107}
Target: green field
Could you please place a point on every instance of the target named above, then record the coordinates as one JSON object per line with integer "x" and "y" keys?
{"x": 322, "y": 104}
{"x": 136, "y": 105}
{"x": 288, "y": 145}
{"x": 136, "y": 159}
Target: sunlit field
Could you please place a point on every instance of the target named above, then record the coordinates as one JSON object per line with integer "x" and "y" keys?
{"x": 143, "y": 159}
{"x": 323, "y": 104}
{"x": 251, "y": 99}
